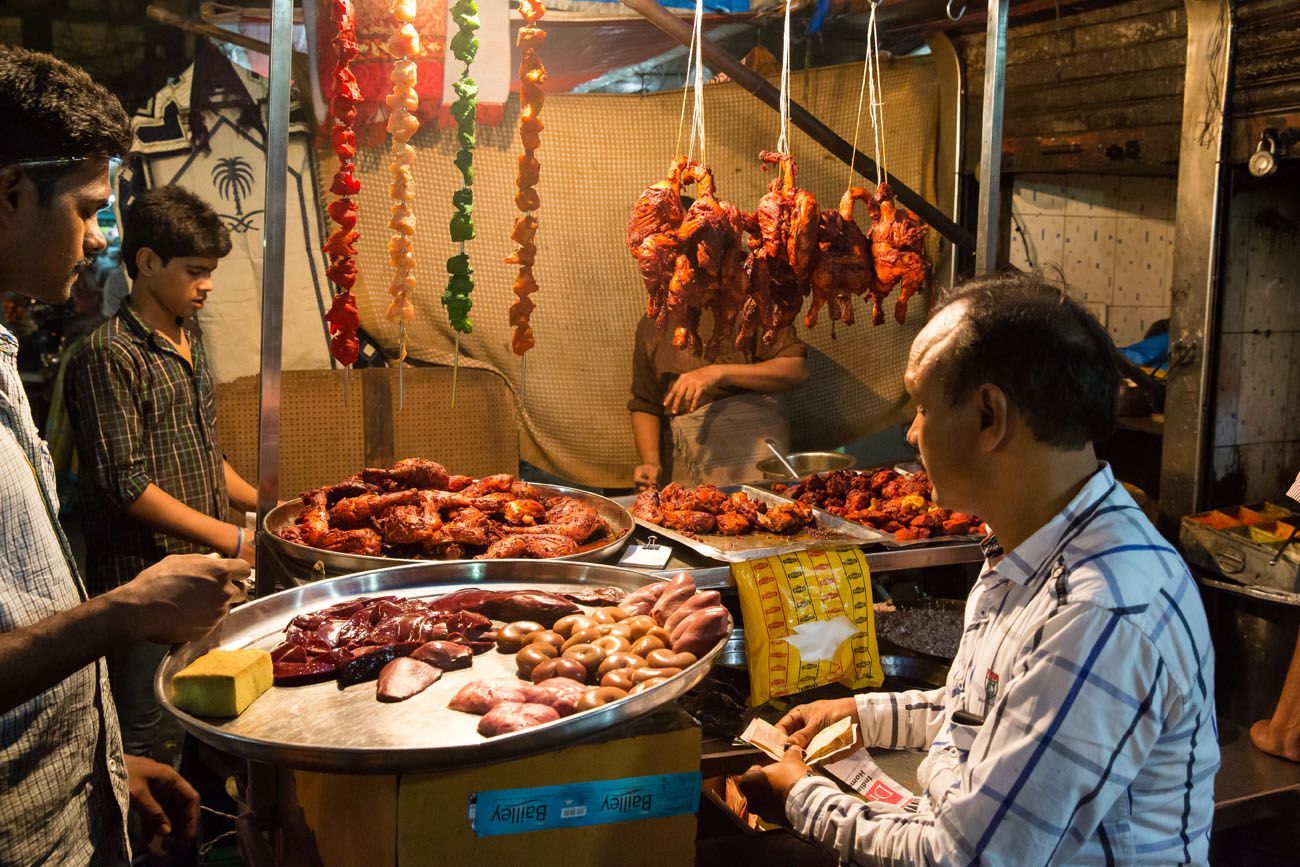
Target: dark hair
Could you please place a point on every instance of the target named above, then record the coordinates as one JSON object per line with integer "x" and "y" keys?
{"x": 54, "y": 110}
{"x": 172, "y": 222}
{"x": 1050, "y": 356}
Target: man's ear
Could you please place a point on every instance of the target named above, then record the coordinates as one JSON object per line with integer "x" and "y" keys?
{"x": 14, "y": 185}
{"x": 994, "y": 412}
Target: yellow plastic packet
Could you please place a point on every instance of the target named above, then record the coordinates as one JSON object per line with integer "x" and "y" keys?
{"x": 809, "y": 622}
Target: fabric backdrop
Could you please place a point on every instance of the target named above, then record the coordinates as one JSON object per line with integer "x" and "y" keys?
{"x": 598, "y": 152}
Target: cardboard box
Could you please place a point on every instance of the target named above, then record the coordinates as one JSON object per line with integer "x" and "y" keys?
{"x": 424, "y": 819}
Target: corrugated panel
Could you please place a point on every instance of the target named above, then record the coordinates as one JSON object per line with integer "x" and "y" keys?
{"x": 1098, "y": 91}
{"x": 1265, "y": 89}
{"x": 1266, "y": 58}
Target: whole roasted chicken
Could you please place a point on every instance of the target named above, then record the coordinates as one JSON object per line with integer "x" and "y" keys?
{"x": 709, "y": 272}
{"x": 842, "y": 265}
{"x": 652, "y": 237}
{"x": 783, "y": 241}
{"x": 897, "y": 249}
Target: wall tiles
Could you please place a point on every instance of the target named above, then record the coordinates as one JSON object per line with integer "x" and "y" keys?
{"x": 1111, "y": 237}
{"x": 1228, "y": 391}
{"x": 1147, "y": 197}
{"x": 1088, "y": 256}
{"x": 1265, "y": 388}
{"x": 1269, "y": 468}
{"x": 1039, "y": 195}
{"x": 1092, "y": 196}
{"x": 1236, "y": 275}
{"x": 1274, "y": 301}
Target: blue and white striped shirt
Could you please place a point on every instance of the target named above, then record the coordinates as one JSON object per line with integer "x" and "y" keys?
{"x": 1087, "y": 653}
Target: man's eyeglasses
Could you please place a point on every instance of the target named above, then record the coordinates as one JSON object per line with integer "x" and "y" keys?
{"x": 52, "y": 162}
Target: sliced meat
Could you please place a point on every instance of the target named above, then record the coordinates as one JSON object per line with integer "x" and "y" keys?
{"x": 596, "y": 596}
{"x": 446, "y": 655}
{"x": 481, "y": 696}
{"x": 544, "y": 608}
{"x": 561, "y": 693}
{"x": 405, "y": 677}
{"x": 511, "y": 716}
{"x": 642, "y": 600}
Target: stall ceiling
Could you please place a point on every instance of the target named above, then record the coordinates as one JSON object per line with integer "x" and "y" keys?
{"x": 1097, "y": 91}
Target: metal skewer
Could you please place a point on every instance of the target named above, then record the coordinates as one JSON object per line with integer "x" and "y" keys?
{"x": 455, "y": 370}
{"x": 523, "y": 371}
{"x": 401, "y": 359}
{"x": 347, "y": 377}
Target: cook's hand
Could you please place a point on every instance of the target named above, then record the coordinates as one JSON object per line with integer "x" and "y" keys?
{"x": 803, "y": 723}
{"x": 646, "y": 475}
{"x": 768, "y": 787}
{"x": 182, "y": 597}
{"x": 687, "y": 392}
{"x": 168, "y": 806}
{"x": 248, "y": 551}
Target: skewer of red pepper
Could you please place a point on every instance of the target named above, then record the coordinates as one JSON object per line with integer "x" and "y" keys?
{"x": 340, "y": 246}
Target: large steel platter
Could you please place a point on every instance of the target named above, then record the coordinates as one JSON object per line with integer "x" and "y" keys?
{"x": 321, "y": 727}
{"x": 615, "y": 516}
{"x": 830, "y": 531}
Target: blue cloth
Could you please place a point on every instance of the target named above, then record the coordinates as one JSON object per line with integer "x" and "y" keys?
{"x": 1152, "y": 352}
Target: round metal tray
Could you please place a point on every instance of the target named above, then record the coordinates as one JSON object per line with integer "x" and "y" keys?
{"x": 618, "y": 519}
{"x": 324, "y": 728}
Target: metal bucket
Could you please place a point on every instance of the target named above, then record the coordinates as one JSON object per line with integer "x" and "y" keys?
{"x": 805, "y": 463}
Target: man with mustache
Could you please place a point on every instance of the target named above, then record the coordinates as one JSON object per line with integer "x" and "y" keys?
{"x": 141, "y": 398}
{"x": 64, "y": 782}
{"x": 1077, "y": 724}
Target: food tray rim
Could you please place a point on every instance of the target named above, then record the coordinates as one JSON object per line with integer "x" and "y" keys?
{"x": 338, "y": 562}
{"x": 271, "y": 612}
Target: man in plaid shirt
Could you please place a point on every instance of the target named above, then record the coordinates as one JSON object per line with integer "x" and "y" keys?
{"x": 1077, "y": 724}
{"x": 64, "y": 782}
{"x": 142, "y": 405}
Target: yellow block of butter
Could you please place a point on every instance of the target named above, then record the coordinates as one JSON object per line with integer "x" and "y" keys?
{"x": 222, "y": 682}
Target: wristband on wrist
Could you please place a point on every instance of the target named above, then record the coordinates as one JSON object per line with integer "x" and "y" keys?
{"x": 239, "y": 542}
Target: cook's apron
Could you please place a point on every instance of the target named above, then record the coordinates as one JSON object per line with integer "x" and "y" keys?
{"x": 721, "y": 441}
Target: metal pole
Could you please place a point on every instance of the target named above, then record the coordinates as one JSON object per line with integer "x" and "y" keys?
{"x": 277, "y": 170}
{"x": 716, "y": 58}
{"x": 1198, "y": 223}
{"x": 995, "y": 75}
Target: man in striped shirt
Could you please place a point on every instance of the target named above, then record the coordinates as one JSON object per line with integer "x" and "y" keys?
{"x": 1077, "y": 724}
{"x": 65, "y": 785}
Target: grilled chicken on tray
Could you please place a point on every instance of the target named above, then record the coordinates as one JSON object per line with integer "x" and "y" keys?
{"x": 415, "y": 509}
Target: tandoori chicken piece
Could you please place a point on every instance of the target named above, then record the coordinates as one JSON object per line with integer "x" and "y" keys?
{"x": 539, "y": 546}
{"x": 786, "y": 518}
{"x": 689, "y": 522}
{"x": 733, "y": 524}
{"x": 356, "y": 511}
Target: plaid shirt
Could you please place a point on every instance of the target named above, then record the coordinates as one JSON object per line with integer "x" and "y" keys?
{"x": 142, "y": 416}
{"x": 1087, "y": 653}
{"x": 63, "y": 793}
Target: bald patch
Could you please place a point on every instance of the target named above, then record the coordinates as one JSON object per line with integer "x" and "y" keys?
{"x": 934, "y": 342}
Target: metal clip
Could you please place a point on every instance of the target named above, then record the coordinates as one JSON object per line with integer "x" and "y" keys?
{"x": 955, "y": 16}
{"x": 651, "y": 544}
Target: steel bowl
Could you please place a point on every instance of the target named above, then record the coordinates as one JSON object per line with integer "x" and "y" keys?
{"x": 618, "y": 519}
{"x": 806, "y": 463}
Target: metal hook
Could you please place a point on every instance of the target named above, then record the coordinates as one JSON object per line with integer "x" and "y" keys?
{"x": 960, "y": 12}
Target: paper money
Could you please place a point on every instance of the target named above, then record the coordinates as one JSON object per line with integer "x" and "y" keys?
{"x": 828, "y": 743}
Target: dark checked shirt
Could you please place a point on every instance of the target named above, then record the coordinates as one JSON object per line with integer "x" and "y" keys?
{"x": 1087, "y": 654}
{"x": 63, "y": 791}
{"x": 142, "y": 415}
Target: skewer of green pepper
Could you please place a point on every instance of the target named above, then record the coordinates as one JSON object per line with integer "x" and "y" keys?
{"x": 464, "y": 47}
